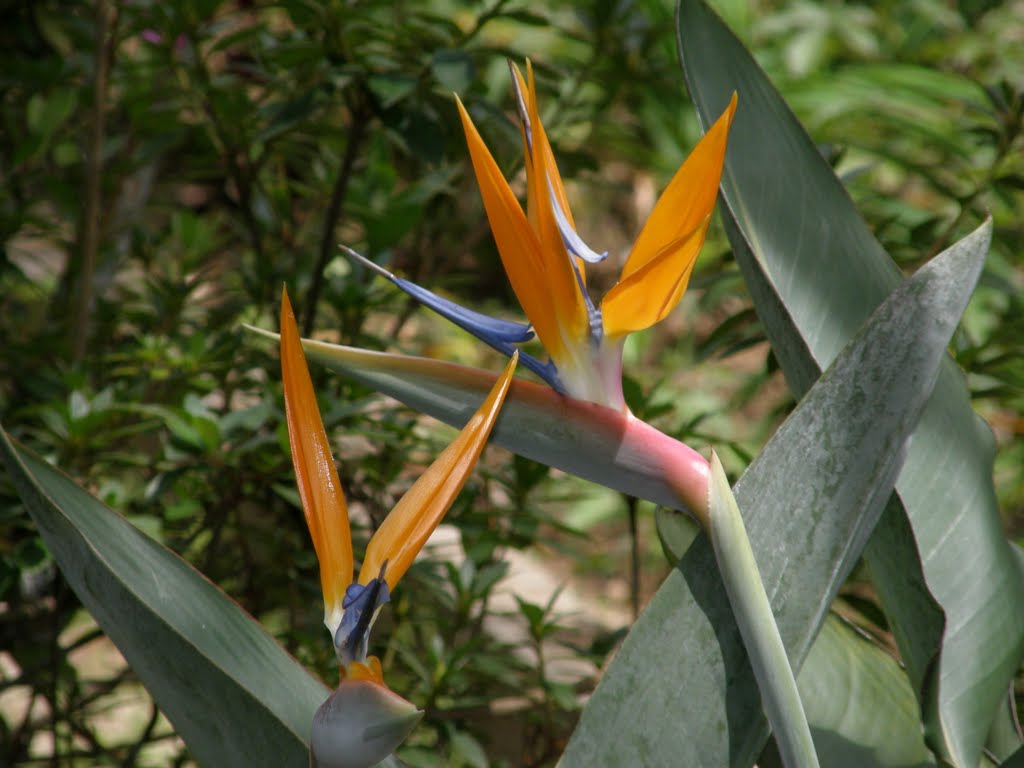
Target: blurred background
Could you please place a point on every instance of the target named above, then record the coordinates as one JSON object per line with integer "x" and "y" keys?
{"x": 166, "y": 167}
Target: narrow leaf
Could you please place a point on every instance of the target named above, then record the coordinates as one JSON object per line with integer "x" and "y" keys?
{"x": 585, "y": 439}
{"x": 859, "y": 702}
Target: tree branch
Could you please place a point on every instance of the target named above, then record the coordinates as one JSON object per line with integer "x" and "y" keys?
{"x": 90, "y": 232}
{"x": 360, "y": 119}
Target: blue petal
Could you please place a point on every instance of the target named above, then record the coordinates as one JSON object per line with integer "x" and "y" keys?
{"x": 360, "y": 604}
{"x": 498, "y": 334}
{"x": 546, "y": 371}
{"x": 477, "y": 323}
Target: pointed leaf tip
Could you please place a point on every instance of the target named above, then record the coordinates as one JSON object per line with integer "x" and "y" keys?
{"x": 404, "y": 532}
{"x": 316, "y": 476}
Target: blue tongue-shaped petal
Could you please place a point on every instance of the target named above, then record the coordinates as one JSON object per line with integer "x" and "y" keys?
{"x": 498, "y": 330}
{"x": 360, "y": 605}
{"x": 499, "y": 334}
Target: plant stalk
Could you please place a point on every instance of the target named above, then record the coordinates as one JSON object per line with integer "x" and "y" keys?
{"x": 360, "y": 118}
{"x": 634, "y": 557}
{"x": 90, "y": 232}
{"x": 753, "y": 613}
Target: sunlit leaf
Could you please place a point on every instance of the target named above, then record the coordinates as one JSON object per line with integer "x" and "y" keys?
{"x": 809, "y": 501}
{"x": 816, "y": 272}
{"x": 233, "y": 694}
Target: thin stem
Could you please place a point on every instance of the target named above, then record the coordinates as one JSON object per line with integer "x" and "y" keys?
{"x": 239, "y": 170}
{"x": 18, "y": 741}
{"x": 90, "y": 233}
{"x": 360, "y": 119}
{"x": 491, "y": 13}
{"x": 144, "y": 739}
{"x": 753, "y": 612}
{"x": 634, "y": 557}
{"x": 53, "y": 673}
{"x": 1005, "y": 144}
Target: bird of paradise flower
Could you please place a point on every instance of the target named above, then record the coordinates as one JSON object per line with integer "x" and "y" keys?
{"x": 363, "y": 720}
{"x": 544, "y": 258}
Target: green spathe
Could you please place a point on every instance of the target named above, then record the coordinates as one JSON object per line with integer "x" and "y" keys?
{"x": 360, "y": 724}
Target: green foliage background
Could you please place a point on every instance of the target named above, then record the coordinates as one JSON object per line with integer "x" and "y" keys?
{"x": 225, "y": 148}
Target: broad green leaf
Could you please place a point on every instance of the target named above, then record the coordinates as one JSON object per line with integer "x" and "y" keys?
{"x": 859, "y": 703}
{"x": 809, "y": 501}
{"x": 233, "y": 694}
{"x": 1016, "y": 760}
{"x": 862, "y": 709}
{"x": 816, "y": 272}
{"x": 1004, "y": 737}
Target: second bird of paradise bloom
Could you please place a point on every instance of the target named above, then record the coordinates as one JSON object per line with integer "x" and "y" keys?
{"x": 363, "y": 720}
{"x": 544, "y": 258}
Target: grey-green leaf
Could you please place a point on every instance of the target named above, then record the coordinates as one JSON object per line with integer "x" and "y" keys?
{"x": 233, "y": 694}
{"x": 860, "y": 704}
{"x": 816, "y": 272}
{"x": 810, "y": 501}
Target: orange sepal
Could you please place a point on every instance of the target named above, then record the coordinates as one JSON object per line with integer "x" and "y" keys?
{"x": 315, "y": 473}
{"x": 542, "y": 152}
{"x": 404, "y": 532}
{"x": 542, "y": 280}
{"x": 542, "y": 171}
{"x": 369, "y": 670}
{"x": 659, "y": 265}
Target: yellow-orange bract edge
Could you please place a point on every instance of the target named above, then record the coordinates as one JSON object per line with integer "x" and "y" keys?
{"x": 404, "y": 532}
{"x": 540, "y": 250}
{"x": 534, "y": 259}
